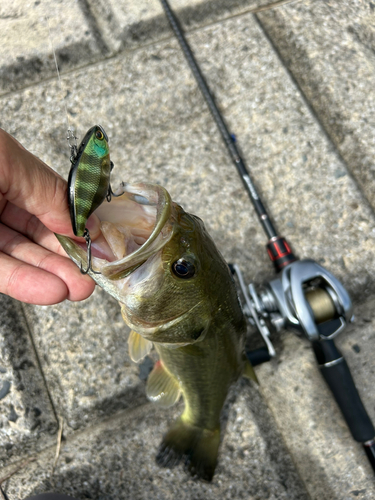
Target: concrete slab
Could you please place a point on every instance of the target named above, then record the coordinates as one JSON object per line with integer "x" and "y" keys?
{"x": 27, "y": 420}
{"x": 329, "y": 49}
{"x": 117, "y": 459}
{"x": 29, "y": 29}
{"x": 126, "y": 24}
{"x": 160, "y": 130}
{"x": 86, "y": 31}
{"x": 84, "y": 357}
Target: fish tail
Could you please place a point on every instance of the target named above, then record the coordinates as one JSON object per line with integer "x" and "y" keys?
{"x": 196, "y": 446}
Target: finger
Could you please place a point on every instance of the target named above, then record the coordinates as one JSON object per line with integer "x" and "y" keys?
{"x": 22, "y": 222}
{"x": 29, "y": 284}
{"x": 30, "y": 184}
{"x": 74, "y": 285}
{"x": 27, "y": 224}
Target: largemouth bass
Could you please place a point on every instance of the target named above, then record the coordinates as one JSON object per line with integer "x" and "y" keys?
{"x": 176, "y": 293}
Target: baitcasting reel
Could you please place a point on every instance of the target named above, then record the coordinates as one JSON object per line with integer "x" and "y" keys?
{"x": 309, "y": 300}
{"x": 306, "y": 299}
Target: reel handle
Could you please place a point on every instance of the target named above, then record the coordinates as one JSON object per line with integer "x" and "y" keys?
{"x": 336, "y": 373}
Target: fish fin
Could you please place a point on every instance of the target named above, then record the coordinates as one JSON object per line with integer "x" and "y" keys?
{"x": 249, "y": 372}
{"x": 138, "y": 346}
{"x": 197, "y": 447}
{"x": 162, "y": 388}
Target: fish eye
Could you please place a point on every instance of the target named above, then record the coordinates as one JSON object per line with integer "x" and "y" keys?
{"x": 184, "y": 269}
{"x": 99, "y": 135}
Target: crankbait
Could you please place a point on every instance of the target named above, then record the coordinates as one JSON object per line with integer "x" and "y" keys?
{"x": 89, "y": 182}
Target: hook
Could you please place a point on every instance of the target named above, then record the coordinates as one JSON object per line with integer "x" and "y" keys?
{"x": 110, "y": 192}
{"x": 86, "y": 235}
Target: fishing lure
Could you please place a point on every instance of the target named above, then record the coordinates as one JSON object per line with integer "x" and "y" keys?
{"x": 88, "y": 182}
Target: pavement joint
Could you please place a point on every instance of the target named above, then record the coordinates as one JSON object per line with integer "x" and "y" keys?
{"x": 29, "y": 330}
{"x": 315, "y": 112}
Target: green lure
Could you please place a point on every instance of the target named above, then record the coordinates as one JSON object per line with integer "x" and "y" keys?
{"x": 89, "y": 182}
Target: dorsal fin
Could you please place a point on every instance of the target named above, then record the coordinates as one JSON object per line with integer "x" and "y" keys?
{"x": 162, "y": 388}
{"x": 138, "y": 346}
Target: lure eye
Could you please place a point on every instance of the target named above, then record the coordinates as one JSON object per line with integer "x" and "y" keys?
{"x": 99, "y": 135}
{"x": 183, "y": 269}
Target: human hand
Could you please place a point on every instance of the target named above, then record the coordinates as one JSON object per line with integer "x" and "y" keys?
{"x": 33, "y": 205}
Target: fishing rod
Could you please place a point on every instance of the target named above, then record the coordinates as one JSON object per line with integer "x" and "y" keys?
{"x": 304, "y": 297}
{"x": 278, "y": 249}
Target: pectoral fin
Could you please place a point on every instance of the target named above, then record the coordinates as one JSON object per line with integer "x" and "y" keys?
{"x": 138, "y": 346}
{"x": 162, "y": 388}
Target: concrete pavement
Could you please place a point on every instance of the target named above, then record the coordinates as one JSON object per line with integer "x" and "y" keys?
{"x": 295, "y": 83}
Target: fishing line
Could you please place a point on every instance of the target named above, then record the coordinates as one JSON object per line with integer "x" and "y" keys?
{"x": 72, "y": 139}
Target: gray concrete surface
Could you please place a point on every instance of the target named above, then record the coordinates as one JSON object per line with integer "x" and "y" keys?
{"x": 29, "y": 32}
{"x": 116, "y": 459}
{"x": 334, "y": 68}
{"x": 288, "y": 95}
{"x": 84, "y": 356}
{"x": 27, "y": 419}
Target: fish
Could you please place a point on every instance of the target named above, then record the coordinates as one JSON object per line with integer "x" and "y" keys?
{"x": 177, "y": 295}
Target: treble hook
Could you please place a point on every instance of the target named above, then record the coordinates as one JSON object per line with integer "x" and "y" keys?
{"x": 110, "y": 192}
{"x": 86, "y": 235}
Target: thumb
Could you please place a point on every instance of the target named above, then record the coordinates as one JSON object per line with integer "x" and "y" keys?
{"x": 30, "y": 184}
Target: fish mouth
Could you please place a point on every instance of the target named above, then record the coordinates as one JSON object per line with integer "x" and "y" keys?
{"x": 135, "y": 225}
